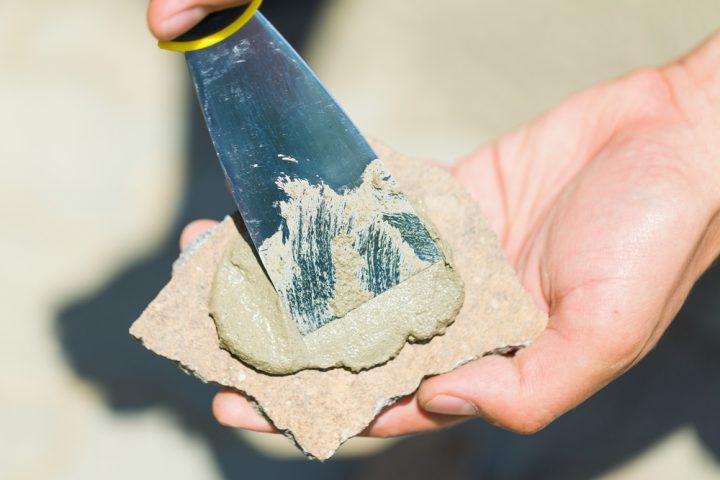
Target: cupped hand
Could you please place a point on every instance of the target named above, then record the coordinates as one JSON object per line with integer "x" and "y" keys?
{"x": 169, "y": 19}
{"x": 608, "y": 207}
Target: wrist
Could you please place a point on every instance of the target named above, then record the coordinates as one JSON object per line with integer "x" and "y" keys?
{"x": 694, "y": 83}
{"x": 702, "y": 70}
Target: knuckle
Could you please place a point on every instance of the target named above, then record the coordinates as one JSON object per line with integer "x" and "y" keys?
{"x": 530, "y": 424}
{"x": 523, "y": 420}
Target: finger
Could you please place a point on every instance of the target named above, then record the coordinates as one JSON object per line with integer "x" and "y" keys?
{"x": 526, "y": 392}
{"x": 406, "y": 417}
{"x": 169, "y": 19}
{"x": 193, "y": 230}
{"x": 232, "y": 409}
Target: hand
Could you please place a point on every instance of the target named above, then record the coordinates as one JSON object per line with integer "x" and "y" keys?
{"x": 169, "y": 19}
{"x": 609, "y": 209}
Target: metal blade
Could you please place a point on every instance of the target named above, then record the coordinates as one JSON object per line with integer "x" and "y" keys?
{"x": 308, "y": 186}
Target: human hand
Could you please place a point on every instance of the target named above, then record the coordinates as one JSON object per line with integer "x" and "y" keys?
{"x": 608, "y": 207}
{"x": 168, "y": 19}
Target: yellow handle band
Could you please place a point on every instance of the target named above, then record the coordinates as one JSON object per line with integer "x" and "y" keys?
{"x": 216, "y": 37}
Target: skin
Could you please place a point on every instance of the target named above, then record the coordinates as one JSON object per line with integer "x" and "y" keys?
{"x": 608, "y": 207}
{"x": 168, "y": 19}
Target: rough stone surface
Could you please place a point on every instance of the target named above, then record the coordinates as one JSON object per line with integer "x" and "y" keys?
{"x": 322, "y": 409}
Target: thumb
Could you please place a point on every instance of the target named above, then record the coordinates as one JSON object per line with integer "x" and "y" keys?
{"x": 526, "y": 392}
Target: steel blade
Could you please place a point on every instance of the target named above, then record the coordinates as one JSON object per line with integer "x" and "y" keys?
{"x": 307, "y": 184}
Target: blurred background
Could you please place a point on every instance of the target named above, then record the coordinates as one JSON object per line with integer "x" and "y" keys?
{"x": 105, "y": 158}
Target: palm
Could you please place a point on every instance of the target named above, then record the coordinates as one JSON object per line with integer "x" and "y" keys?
{"x": 585, "y": 200}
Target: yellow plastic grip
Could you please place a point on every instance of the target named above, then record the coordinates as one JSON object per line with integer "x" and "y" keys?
{"x": 213, "y": 38}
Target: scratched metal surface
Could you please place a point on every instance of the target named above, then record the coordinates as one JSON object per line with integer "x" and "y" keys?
{"x": 270, "y": 118}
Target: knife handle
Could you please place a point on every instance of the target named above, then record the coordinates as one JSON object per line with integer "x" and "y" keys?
{"x": 213, "y": 29}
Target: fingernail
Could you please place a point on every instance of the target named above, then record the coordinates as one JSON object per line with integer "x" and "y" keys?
{"x": 181, "y": 22}
{"x": 447, "y": 405}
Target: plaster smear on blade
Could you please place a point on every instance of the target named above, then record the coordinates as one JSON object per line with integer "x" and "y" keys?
{"x": 287, "y": 158}
{"x": 369, "y": 323}
{"x": 253, "y": 325}
{"x": 336, "y": 250}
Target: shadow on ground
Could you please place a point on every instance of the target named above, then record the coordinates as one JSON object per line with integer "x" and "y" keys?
{"x": 676, "y": 385}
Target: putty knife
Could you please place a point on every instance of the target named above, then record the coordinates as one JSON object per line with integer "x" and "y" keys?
{"x": 329, "y": 223}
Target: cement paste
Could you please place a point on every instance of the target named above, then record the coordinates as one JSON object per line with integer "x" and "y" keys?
{"x": 336, "y": 249}
{"x": 253, "y": 325}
